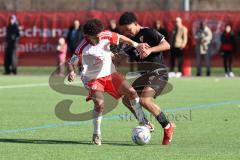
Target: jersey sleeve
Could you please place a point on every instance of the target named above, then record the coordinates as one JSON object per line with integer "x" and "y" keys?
{"x": 154, "y": 36}
{"x": 114, "y": 39}
{"x": 111, "y": 36}
{"x": 80, "y": 48}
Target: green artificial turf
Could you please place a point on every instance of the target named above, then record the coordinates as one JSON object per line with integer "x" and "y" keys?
{"x": 206, "y": 112}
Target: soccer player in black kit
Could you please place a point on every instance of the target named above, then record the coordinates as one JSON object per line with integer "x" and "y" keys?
{"x": 154, "y": 77}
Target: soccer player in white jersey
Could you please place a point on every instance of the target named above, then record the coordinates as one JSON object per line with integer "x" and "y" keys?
{"x": 99, "y": 74}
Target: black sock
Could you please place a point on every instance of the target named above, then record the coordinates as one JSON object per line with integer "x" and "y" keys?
{"x": 162, "y": 120}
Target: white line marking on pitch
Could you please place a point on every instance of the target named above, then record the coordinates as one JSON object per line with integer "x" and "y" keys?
{"x": 29, "y": 85}
{"x": 23, "y": 85}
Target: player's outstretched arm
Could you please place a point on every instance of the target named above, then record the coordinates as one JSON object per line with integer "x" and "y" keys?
{"x": 71, "y": 66}
{"x": 139, "y": 46}
{"x": 125, "y": 39}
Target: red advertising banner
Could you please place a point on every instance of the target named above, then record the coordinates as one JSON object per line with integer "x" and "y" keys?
{"x": 40, "y": 31}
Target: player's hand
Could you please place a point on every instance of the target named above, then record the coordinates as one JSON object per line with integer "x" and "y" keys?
{"x": 145, "y": 53}
{"x": 142, "y": 46}
{"x": 71, "y": 76}
{"x": 144, "y": 50}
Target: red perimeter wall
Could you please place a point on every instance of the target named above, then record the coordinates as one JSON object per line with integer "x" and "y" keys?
{"x": 41, "y": 30}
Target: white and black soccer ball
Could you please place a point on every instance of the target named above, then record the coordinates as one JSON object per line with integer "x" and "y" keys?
{"x": 141, "y": 135}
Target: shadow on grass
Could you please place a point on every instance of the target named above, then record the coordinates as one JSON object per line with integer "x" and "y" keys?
{"x": 38, "y": 141}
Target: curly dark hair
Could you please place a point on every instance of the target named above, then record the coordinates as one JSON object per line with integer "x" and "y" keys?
{"x": 127, "y": 18}
{"x": 93, "y": 27}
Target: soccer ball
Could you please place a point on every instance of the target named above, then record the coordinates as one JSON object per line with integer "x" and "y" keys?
{"x": 141, "y": 135}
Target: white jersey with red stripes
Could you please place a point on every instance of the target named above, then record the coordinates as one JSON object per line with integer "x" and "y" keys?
{"x": 97, "y": 59}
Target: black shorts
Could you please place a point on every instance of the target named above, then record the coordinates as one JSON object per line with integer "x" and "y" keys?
{"x": 156, "y": 79}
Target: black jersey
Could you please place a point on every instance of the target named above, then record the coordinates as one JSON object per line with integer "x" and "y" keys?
{"x": 150, "y": 36}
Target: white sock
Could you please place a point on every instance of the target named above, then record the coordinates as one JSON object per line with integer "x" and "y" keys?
{"x": 168, "y": 126}
{"x": 138, "y": 110}
{"x": 97, "y": 119}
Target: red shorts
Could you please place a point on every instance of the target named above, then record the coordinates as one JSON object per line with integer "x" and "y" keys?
{"x": 109, "y": 84}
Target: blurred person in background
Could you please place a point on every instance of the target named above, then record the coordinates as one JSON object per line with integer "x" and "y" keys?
{"x": 12, "y": 38}
{"x": 203, "y": 38}
{"x": 179, "y": 42}
{"x": 228, "y": 48}
{"x": 113, "y": 26}
{"x": 62, "y": 53}
{"x": 161, "y": 28}
{"x": 74, "y": 37}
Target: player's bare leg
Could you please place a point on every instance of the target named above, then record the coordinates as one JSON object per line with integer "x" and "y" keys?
{"x": 147, "y": 101}
{"x": 98, "y": 100}
{"x": 130, "y": 93}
